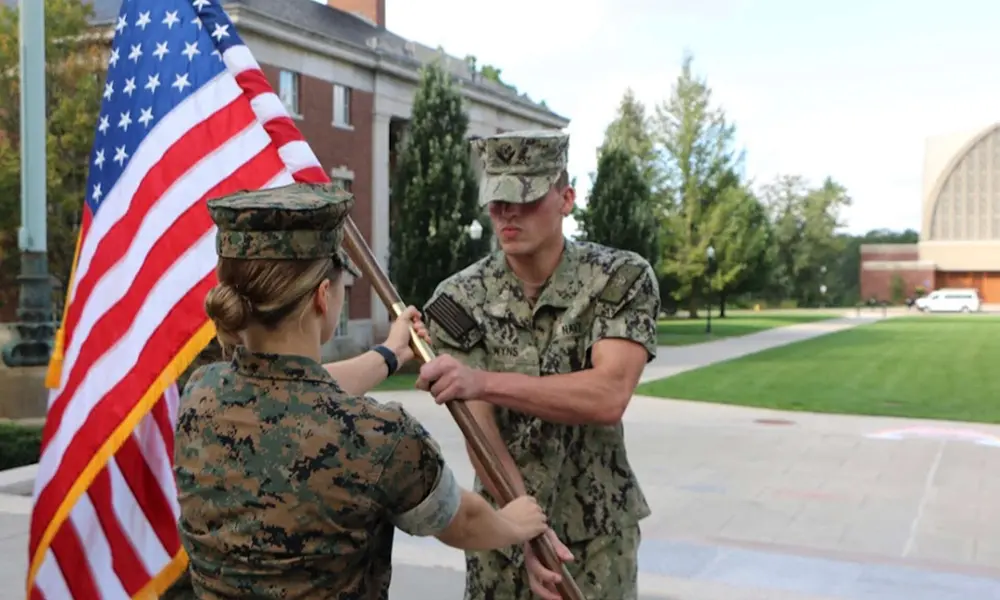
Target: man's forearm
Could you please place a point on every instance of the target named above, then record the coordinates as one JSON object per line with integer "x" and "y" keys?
{"x": 483, "y": 413}
{"x": 581, "y": 398}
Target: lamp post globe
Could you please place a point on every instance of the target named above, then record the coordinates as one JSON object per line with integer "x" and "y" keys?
{"x": 475, "y": 230}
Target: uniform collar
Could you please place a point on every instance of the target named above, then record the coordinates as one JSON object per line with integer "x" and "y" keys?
{"x": 281, "y": 367}
{"x": 505, "y": 296}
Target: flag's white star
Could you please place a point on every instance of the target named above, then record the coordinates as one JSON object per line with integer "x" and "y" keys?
{"x": 129, "y": 86}
{"x": 190, "y": 49}
{"x": 200, "y": 4}
{"x": 217, "y": 54}
{"x": 197, "y": 22}
{"x": 145, "y": 116}
{"x": 99, "y": 159}
{"x": 120, "y": 155}
{"x": 220, "y": 32}
{"x": 161, "y": 50}
{"x": 125, "y": 120}
{"x": 113, "y": 60}
{"x": 135, "y": 53}
{"x": 121, "y": 24}
{"x": 104, "y": 124}
{"x": 180, "y": 82}
{"x": 97, "y": 193}
{"x": 143, "y": 20}
{"x": 152, "y": 82}
{"x": 109, "y": 89}
{"x": 170, "y": 19}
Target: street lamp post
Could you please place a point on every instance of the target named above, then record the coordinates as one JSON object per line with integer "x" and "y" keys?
{"x": 710, "y": 253}
{"x": 35, "y": 326}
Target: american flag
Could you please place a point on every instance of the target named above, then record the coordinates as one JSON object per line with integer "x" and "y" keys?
{"x": 187, "y": 115}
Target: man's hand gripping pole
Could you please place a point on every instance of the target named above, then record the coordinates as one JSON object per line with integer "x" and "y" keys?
{"x": 362, "y": 256}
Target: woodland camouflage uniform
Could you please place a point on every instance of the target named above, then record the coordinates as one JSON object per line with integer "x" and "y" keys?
{"x": 288, "y": 486}
{"x": 580, "y": 474}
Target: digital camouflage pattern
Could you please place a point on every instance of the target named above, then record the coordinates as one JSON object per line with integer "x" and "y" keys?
{"x": 297, "y": 221}
{"x": 520, "y": 166}
{"x": 290, "y": 488}
{"x": 605, "y": 568}
{"x": 580, "y": 475}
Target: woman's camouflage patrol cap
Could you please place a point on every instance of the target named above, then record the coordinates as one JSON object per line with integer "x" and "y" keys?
{"x": 297, "y": 221}
{"x": 520, "y": 166}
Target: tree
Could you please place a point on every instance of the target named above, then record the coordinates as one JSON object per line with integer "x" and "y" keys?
{"x": 75, "y": 67}
{"x": 897, "y": 289}
{"x": 807, "y": 243}
{"x": 434, "y": 192}
{"x": 619, "y": 212}
{"x": 700, "y": 166}
{"x": 741, "y": 235}
{"x": 630, "y": 131}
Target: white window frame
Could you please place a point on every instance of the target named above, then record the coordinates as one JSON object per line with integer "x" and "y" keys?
{"x": 289, "y": 95}
{"x": 342, "y": 99}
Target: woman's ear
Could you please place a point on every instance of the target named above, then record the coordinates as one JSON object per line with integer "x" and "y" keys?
{"x": 321, "y": 298}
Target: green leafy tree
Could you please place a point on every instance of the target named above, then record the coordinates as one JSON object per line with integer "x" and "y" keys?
{"x": 619, "y": 212}
{"x": 75, "y": 68}
{"x": 897, "y": 289}
{"x": 630, "y": 131}
{"x": 700, "y": 166}
{"x": 806, "y": 223}
{"x": 434, "y": 192}
{"x": 741, "y": 234}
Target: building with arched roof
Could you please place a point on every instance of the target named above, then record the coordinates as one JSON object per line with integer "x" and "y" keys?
{"x": 960, "y": 225}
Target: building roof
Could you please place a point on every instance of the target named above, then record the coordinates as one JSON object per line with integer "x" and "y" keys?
{"x": 345, "y": 28}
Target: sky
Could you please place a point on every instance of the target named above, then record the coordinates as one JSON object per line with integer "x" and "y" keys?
{"x": 848, "y": 89}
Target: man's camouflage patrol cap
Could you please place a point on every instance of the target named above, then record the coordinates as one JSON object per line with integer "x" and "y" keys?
{"x": 298, "y": 221}
{"x": 520, "y": 166}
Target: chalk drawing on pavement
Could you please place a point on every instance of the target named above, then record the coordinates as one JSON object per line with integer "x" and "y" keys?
{"x": 938, "y": 433}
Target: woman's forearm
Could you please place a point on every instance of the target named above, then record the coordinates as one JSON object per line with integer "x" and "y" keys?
{"x": 360, "y": 374}
{"x": 478, "y": 526}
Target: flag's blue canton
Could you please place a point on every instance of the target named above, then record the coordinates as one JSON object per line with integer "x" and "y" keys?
{"x": 163, "y": 51}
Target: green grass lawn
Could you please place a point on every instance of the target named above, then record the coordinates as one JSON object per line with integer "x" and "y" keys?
{"x": 395, "y": 383}
{"x": 682, "y": 331}
{"x": 928, "y": 367}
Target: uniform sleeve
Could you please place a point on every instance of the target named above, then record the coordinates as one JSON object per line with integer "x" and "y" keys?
{"x": 453, "y": 331}
{"x": 419, "y": 489}
{"x": 628, "y": 306}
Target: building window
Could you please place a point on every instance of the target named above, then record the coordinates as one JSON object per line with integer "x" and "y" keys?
{"x": 345, "y": 315}
{"x": 341, "y": 105}
{"x": 343, "y": 177}
{"x": 288, "y": 91}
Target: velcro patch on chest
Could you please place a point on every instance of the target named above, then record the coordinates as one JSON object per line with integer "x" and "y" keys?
{"x": 451, "y": 316}
{"x": 620, "y": 283}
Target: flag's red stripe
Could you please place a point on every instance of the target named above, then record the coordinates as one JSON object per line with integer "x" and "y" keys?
{"x": 161, "y": 416}
{"x": 72, "y": 562}
{"x": 190, "y": 149}
{"x": 124, "y": 560}
{"x": 180, "y": 324}
{"x": 148, "y": 493}
{"x": 109, "y": 411}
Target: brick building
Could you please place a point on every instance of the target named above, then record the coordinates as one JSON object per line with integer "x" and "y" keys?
{"x": 349, "y": 82}
{"x": 960, "y": 228}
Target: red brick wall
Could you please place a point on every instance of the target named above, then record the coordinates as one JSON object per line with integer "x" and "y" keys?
{"x": 878, "y": 282}
{"x": 374, "y": 10}
{"x": 337, "y": 147}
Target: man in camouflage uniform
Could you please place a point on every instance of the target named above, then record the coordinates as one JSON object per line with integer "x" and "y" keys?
{"x": 545, "y": 340}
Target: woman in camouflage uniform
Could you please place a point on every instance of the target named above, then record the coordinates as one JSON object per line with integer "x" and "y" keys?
{"x": 290, "y": 482}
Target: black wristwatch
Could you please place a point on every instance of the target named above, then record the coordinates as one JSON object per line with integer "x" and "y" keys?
{"x": 391, "y": 362}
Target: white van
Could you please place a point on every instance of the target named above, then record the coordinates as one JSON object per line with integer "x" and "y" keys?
{"x": 950, "y": 300}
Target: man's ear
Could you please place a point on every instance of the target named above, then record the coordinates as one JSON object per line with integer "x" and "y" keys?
{"x": 569, "y": 199}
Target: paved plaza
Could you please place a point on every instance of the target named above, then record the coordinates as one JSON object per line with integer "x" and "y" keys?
{"x": 755, "y": 504}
